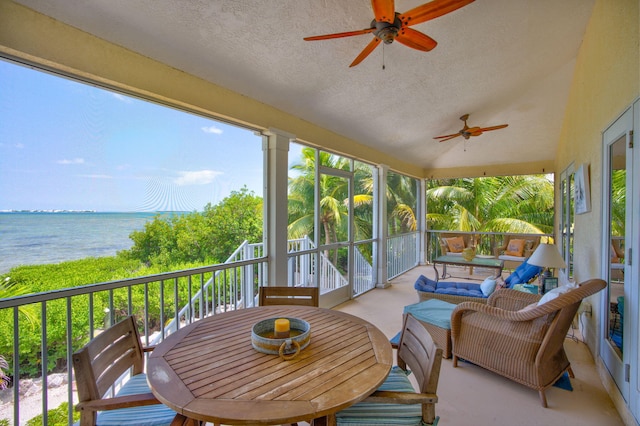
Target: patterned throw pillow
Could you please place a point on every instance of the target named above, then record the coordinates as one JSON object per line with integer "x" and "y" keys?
{"x": 455, "y": 244}
{"x": 515, "y": 248}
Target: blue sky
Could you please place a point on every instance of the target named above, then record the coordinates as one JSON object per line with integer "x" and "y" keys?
{"x": 70, "y": 146}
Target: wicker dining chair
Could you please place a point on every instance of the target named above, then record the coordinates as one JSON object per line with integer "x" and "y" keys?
{"x": 99, "y": 364}
{"x": 396, "y": 401}
{"x": 518, "y": 338}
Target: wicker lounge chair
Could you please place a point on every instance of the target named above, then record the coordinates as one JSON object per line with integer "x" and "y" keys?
{"x": 453, "y": 292}
{"x": 524, "y": 345}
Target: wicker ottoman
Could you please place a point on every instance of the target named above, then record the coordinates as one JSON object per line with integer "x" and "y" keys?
{"x": 435, "y": 315}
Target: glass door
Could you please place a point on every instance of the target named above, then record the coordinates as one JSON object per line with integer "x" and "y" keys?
{"x": 616, "y": 230}
{"x": 335, "y": 234}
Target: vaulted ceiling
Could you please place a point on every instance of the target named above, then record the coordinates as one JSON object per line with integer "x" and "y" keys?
{"x": 501, "y": 61}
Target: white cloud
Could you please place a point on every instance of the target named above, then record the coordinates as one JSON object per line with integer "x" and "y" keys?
{"x": 122, "y": 98}
{"x": 72, "y": 161}
{"x": 212, "y": 129}
{"x": 200, "y": 177}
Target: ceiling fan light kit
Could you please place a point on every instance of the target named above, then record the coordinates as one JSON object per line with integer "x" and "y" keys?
{"x": 389, "y": 25}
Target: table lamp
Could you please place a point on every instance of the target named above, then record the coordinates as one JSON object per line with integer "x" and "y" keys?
{"x": 547, "y": 256}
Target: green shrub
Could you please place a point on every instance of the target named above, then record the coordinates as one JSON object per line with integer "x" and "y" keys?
{"x": 168, "y": 243}
{"x": 55, "y": 417}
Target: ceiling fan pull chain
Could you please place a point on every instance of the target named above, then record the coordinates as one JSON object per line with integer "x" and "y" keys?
{"x": 383, "y": 67}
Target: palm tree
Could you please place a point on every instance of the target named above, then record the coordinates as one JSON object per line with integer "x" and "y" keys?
{"x": 618, "y": 201}
{"x": 401, "y": 199}
{"x": 333, "y": 194}
{"x": 518, "y": 204}
{"x": 401, "y": 203}
{"x": 10, "y": 289}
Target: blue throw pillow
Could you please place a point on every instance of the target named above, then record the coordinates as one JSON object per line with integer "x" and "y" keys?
{"x": 522, "y": 274}
{"x": 488, "y": 286}
{"x": 425, "y": 284}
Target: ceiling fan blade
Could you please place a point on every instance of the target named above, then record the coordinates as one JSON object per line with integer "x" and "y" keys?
{"x": 339, "y": 35}
{"x": 384, "y": 10}
{"x": 501, "y": 126}
{"x": 431, "y": 10}
{"x": 447, "y": 136}
{"x": 370, "y": 47}
{"x": 416, "y": 40}
{"x": 450, "y": 137}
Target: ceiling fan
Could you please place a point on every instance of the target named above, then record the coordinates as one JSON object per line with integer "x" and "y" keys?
{"x": 388, "y": 25}
{"x": 467, "y": 131}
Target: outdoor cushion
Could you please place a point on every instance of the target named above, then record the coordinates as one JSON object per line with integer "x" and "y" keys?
{"x": 367, "y": 413}
{"x": 515, "y": 248}
{"x": 522, "y": 274}
{"x": 432, "y": 311}
{"x": 455, "y": 244}
{"x": 488, "y": 286}
{"x": 149, "y": 415}
{"x": 552, "y": 294}
{"x": 512, "y": 258}
{"x": 448, "y": 287}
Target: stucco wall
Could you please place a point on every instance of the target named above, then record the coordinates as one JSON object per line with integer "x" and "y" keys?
{"x": 605, "y": 83}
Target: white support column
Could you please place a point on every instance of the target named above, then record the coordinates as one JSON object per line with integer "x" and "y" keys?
{"x": 275, "y": 209}
{"x": 381, "y": 225}
{"x": 421, "y": 202}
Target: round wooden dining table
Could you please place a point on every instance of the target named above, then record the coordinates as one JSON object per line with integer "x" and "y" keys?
{"x": 209, "y": 370}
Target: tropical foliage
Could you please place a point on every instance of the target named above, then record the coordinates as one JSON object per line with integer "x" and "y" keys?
{"x": 334, "y": 201}
{"x": 334, "y": 197}
{"x": 4, "y": 379}
{"x": 618, "y": 201}
{"x": 516, "y": 204}
{"x": 208, "y": 237}
{"x": 167, "y": 244}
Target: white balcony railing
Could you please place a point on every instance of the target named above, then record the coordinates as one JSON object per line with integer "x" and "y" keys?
{"x": 162, "y": 304}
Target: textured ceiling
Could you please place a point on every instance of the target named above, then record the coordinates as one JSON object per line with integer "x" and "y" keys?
{"x": 502, "y": 61}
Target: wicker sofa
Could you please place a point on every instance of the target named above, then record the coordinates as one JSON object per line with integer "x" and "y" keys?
{"x": 516, "y": 337}
{"x": 457, "y": 292}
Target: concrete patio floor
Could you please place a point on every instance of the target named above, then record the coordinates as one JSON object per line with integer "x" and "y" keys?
{"x": 470, "y": 395}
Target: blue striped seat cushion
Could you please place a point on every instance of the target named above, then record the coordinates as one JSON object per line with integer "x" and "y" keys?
{"x": 368, "y": 413}
{"x": 150, "y": 415}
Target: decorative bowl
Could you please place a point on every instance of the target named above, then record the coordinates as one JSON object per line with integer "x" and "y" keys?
{"x": 263, "y": 340}
{"x": 468, "y": 254}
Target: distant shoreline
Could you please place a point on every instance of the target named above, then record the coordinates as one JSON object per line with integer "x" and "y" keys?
{"x": 37, "y": 237}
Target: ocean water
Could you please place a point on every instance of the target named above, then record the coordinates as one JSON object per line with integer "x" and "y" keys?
{"x": 43, "y": 237}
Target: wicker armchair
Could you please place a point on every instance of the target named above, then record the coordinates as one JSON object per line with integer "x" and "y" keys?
{"x": 525, "y": 346}
{"x": 512, "y": 260}
{"x": 444, "y": 245}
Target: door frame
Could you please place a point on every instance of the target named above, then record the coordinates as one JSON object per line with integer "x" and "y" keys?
{"x": 625, "y": 371}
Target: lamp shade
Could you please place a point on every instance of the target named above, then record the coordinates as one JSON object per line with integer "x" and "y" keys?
{"x": 547, "y": 256}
